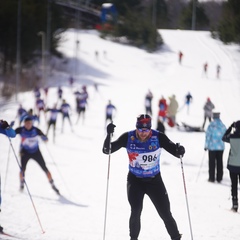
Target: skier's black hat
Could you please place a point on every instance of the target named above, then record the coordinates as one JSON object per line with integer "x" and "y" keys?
{"x": 144, "y": 121}
{"x": 237, "y": 125}
{"x": 216, "y": 114}
{"x": 27, "y": 119}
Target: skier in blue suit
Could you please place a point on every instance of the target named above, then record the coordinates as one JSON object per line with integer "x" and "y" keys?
{"x": 144, "y": 146}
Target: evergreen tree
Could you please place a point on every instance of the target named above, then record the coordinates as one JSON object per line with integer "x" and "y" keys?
{"x": 33, "y": 20}
{"x": 229, "y": 27}
{"x": 202, "y": 21}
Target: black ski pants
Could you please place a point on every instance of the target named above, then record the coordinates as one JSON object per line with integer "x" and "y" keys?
{"x": 235, "y": 178}
{"x": 215, "y": 162}
{"x": 155, "y": 189}
{"x": 37, "y": 156}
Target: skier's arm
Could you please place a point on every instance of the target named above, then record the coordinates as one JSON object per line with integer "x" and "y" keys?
{"x": 169, "y": 146}
{"x": 115, "y": 145}
{"x": 6, "y": 129}
{"x": 226, "y": 136}
{"x": 42, "y": 135}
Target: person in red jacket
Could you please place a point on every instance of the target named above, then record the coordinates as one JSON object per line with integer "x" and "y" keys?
{"x": 162, "y": 105}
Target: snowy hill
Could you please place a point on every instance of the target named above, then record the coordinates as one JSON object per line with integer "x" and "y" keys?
{"x": 124, "y": 74}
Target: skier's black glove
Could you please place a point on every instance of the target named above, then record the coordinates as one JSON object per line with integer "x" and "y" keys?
{"x": 110, "y": 128}
{"x": 180, "y": 150}
{"x": 205, "y": 149}
{"x": 4, "y": 124}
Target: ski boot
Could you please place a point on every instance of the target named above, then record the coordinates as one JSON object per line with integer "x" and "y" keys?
{"x": 178, "y": 238}
{"x": 235, "y": 204}
{"x": 1, "y": 229}
{"x": 54, "y": 187}
{"x": 21, "y": 186}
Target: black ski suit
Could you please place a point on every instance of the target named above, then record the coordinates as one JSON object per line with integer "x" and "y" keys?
{"x": 153, "y": 186}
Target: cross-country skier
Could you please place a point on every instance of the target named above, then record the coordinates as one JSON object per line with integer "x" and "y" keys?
{"x": 30, "y": 113}
{"x": 52, "y": 119}
{"x": 188, "y": 100}
{"x": 143, "y": 146}
{"x": 233, "y": 164}
{"x": 40, "y": 107}
{"x": 148, "y": 103}
{"x": 7, "y": 130}
{"x": 20, "y": 113}
{"x": 110, "y": 109}
{"x": 29, "y": 149}
{"x": 65, "y": 108}
{"x": 81, "y": 100}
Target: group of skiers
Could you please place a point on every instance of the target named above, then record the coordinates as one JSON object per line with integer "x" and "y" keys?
{"x": 167, "y": 110}
{"x": 144, "y": 175}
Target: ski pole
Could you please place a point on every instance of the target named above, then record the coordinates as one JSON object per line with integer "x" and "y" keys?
{"x": 106, "y": 201}
{"x": 5, "y": 181}
{"x": 185, "y": 190}
{"x": 25, "y": 183}
{"x": 54, "y": 162}
{"x": 200, "y": 166}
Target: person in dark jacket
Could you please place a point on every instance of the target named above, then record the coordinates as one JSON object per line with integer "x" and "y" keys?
{"x": 143, "y": 146}
{"x": 29, "y": 149}
{"x": 208, "y": 110}
{"x": 215, "y": 147}
{"x": 233, "y": 164}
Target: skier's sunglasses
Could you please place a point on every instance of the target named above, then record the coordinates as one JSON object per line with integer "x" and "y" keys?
{"x": 143, "y": 130}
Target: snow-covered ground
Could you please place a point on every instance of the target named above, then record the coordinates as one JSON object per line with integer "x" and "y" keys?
{"x": 124, "y": 74}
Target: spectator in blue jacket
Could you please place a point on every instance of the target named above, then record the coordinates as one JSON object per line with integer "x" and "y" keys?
{"x": 215, "y": 147}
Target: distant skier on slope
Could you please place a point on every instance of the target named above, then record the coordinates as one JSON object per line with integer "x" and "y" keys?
{"x": 188, "y": 100}
{"x": 52, "y": 119}
{"x": 180, "y": 56}
{"x": 110, "y": 110}
{"x": 208, "y": 108}
{"x": 148, "y": 103}
{"x": 65, "y": 108}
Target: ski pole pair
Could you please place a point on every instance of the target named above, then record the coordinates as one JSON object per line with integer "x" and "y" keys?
{"x": 106, "y": 201}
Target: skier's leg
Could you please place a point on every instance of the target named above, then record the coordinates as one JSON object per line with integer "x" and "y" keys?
{"x": 234, "y": 190}
{"x": 158, "y": 195}
{"x": 211, "y": 164}
{"x": 24, "y": 160}
{"x": 219, "y": 158}
{"x": 135, "y": 199}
